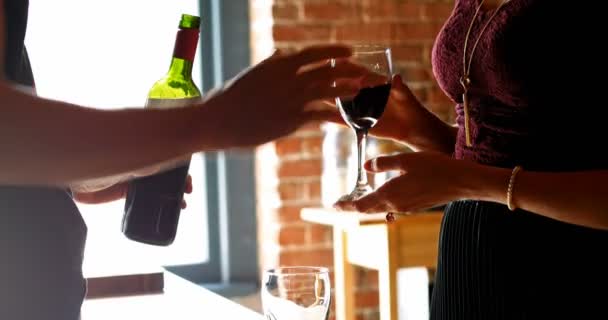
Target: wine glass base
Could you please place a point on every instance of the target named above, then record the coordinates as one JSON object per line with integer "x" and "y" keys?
{"x": 359, "y": 192}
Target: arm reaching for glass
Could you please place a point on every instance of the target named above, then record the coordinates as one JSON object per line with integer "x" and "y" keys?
{"x": 267, "y": 101}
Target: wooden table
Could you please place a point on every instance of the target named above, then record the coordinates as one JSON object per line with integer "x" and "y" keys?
{"x": 366, "y": 240}
{"x": 181, "y": 300}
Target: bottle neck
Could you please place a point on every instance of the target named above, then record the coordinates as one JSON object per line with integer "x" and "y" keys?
{"x": 180, "y": 68}
{"x": 184, "y": 52}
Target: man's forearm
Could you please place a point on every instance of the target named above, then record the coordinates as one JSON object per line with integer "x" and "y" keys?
{"x": 63, "y": 144}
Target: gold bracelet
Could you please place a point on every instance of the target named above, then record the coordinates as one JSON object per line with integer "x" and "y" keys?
{"x": 511, "y": 186}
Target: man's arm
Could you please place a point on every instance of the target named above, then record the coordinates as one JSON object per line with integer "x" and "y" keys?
{"x": 51, "y": 142}
{"x": 46, "y": 142}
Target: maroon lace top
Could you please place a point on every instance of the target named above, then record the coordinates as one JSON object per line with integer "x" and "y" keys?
{"x": 533, "y": 99}
{"x": 537, "y": 100}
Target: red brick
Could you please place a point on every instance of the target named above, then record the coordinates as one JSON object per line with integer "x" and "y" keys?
{"x": 314, "y": 190}
{"x": 368, "y": 314}
{"x": 368, "y": 279}
{"x": 367, "y": 299}
{"x": 289, "y": 145}
{"x": 292, "y": 235}
{"x": 415, "y": 31}
{"x": 286, "y": 47}
{"x": 421, "y": 94}
{"x": 285, "y": 11}
{"x": 289, "y": 214}
{"x": 308, "y": 128}
{"x": 330, "y": 11}
{"x": 332, "y": 277}
{"x": 293, "y": 190}
{"x": 300, "y": 168}
{"x": 319, "y": 234}
{"x": 438, "y": 11}
{"x": 319, "y": 257}
{"x": 312, "y": 145}
{"x": 410, "y": 27}
{"x": 415, "y": 74}
{"x": 376, "y": 32}
{"x": 427, "y": 56}
{"x": 293, "y": 33}
{"x": 391, "y": 9}
{"x": 303, "y": 203}
{"x": 407, "y": 53}
{"x": 332, "y": 307}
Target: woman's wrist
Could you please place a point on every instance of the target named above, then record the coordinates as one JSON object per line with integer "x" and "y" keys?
{"x": 485, "y": 183}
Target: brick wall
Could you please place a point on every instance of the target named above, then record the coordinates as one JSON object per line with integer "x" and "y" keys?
{"x": 289, "y": 170}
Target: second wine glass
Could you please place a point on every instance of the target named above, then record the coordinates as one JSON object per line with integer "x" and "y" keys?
{"x": 296, "y": 293}
{"x": 363, "y": 111}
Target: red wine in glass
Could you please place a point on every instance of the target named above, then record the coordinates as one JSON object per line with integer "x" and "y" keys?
{"x": 363, "y": 111}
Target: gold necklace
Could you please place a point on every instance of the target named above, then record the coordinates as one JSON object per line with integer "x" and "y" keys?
{"x": 465, "y": 80}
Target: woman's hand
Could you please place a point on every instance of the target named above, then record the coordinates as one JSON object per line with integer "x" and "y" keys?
{"x": 404, "y": 115}
{"x": 117, "y": 192}
{"x": 406, "y": 120}
{"x": 427, "y": 180}
{"x": 274, "y": 98}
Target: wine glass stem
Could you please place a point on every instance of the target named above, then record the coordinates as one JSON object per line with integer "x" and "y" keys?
{"x": 361, "y": 141}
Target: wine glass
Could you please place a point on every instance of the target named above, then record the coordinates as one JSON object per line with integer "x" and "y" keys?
{"x": 362, "y": 112}
{"x": 296, "y": 293}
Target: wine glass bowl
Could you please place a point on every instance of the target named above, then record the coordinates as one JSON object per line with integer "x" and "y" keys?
{"x": 363, "y": 111}
{"x": 296, "y": 293}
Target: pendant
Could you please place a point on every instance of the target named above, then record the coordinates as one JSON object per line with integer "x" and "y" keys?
{"x": 466, "y": 82}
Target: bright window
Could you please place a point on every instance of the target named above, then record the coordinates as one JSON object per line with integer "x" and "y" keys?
{"x": 107, "y": 54}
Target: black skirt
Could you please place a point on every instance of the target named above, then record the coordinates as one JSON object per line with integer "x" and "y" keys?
{"x": 498, "y": 264}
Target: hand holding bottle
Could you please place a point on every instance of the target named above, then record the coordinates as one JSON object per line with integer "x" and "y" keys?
{"x": 118, "y": 192}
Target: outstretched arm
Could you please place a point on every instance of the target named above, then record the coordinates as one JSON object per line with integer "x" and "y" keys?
{"x": 46, "y": 142}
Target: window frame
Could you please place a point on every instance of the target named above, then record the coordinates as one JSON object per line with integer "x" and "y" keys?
{"x": 230, "y": 175}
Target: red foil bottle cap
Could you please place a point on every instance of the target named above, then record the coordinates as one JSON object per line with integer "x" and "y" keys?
{"x": 185, "y": 44}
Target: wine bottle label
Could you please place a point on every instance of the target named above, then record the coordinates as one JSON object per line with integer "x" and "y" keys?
{"x": 172, "y": 103}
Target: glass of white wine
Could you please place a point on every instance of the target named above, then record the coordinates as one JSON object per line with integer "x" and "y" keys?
{"x": 296, "y": 293}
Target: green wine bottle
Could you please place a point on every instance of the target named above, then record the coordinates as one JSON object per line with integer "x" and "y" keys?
{"x": 153, "y": 203}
